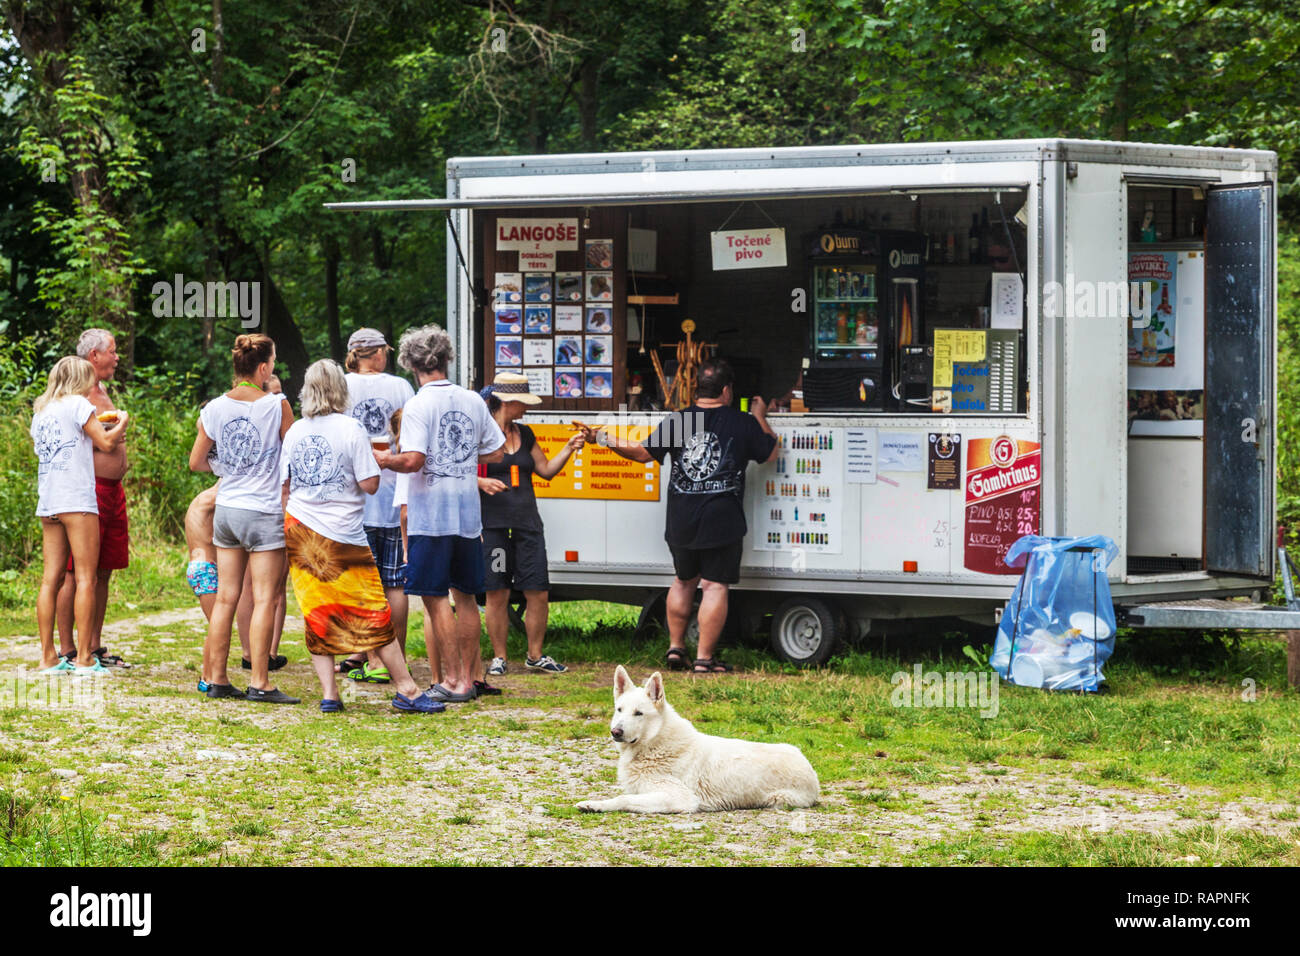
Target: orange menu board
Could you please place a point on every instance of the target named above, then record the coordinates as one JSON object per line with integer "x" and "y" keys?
{"x": 595, "y": 472}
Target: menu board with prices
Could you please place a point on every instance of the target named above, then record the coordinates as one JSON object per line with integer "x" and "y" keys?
{"x": 799, "y": 501}
{"x": 975, "y": 371}
{"x": 597, "y": 472}
{"x": 557, "y": 313}
{"x": 1003, "y": 485}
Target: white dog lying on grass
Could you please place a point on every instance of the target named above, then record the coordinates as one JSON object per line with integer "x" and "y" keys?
{"x": 667, "y": 766}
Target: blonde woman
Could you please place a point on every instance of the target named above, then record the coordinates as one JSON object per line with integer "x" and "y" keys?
{"x": 328, "y": 470}
{"x": 65, "y": 432}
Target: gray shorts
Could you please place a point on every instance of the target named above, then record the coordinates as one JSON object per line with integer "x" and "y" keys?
{"x": 247, "y": 530}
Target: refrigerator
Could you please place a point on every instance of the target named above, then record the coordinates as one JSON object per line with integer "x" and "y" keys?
{"x": 866, "y": 296}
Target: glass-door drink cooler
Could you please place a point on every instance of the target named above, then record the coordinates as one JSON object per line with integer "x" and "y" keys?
{"x": 865, "y": 306}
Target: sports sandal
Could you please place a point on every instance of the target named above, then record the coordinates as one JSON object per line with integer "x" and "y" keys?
{"x": 711, "y": 665}
{"x": 109, "y": 660}
{"x": 351, "y": 664}
{"x": 676, "y": 659}
{"x": 371, "y": 675}
{"x": 483, "y": 689}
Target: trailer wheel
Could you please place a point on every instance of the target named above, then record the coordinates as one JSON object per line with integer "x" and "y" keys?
{"x": 806, "y": 631}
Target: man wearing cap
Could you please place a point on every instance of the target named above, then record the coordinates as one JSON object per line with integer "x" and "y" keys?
{"x": 446, "y": 433}
{"x": 514, "y": 542}
{"x": 374, "y": 395}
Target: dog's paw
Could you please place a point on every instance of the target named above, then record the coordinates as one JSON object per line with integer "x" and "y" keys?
{"x": 591, "y": 806}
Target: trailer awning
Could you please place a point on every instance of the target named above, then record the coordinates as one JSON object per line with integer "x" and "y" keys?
{"x": 658, "y": 199}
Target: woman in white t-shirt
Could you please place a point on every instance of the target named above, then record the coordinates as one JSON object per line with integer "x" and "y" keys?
{"x": 328, "y": 469}
{"x": 246, "y": 425}
{"x": 65, "y": 431}
{"x": 373, "y": 397}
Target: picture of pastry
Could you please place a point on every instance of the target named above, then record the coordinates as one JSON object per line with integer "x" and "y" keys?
{"x": 599, "y": 349}
{"x": 599, "y": 319}
{"x": 509, "y": 321}
{"x": 506, "y": 288}
{"x": 537, "y": 287}
{"x": 568, "y": 385}
{"x": 600, "y": 253}
{"x": 600, "y": 286}
{"x": 537, "y": 320}
{"x": 568, "y": 286}
{"x": 600, "y": 383}
{"x": 510, "y": 352}
{"x": 568, "y": 350}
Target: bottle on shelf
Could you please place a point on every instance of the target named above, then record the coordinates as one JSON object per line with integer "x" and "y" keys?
{"x": 973, "y": 240}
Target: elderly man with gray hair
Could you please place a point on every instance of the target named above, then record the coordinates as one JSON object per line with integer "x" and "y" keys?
{"x": 447, "y": 432}
{"x": 99, "y": 348}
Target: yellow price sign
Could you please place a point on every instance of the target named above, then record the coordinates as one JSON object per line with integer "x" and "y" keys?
{"x": 596, "y": 472}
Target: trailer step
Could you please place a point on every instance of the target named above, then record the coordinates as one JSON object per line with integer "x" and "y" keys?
{"x": 1211, "y": 613}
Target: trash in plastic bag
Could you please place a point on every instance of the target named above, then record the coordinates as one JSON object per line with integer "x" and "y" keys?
{"x": 1059, "y": 627}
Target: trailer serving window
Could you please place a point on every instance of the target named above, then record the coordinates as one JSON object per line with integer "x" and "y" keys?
{"x": 908, "y": 302}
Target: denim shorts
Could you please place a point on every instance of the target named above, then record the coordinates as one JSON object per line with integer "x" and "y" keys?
{"x": 247, "y": 530}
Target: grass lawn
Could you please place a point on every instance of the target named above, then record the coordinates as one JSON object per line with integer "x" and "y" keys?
{"x": 1173, "y": 766}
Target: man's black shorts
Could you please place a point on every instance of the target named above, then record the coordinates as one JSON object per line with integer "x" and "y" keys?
{"x": 720, "y": 565}
{"x": 515, "y": 557}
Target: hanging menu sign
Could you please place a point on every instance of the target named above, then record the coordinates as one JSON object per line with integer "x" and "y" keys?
{"x": 1004, "y": 479}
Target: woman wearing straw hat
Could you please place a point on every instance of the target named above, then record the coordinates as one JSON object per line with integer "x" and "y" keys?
{"x": 514, "y": 546}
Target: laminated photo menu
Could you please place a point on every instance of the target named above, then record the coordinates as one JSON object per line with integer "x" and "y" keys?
{"x": 798, "y": 503}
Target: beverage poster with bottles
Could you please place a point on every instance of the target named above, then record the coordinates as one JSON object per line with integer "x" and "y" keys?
{"x": 1152, "y": 307}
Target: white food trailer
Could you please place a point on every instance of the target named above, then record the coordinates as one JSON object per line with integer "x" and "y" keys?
{"x": 970, "y": 341}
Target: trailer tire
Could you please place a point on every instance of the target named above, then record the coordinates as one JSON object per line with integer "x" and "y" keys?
{"x": 807, "y": 631}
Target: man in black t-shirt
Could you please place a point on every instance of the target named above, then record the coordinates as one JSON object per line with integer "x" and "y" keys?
{"x": 711, "y": 444}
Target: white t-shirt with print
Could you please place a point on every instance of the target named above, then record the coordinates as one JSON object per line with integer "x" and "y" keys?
{"x": 374, "y": 398}
{"x": 65, "y": 455}
{"x": 247, "y": 436}
{"x": 451, "y": 426}
{"x": 325, "y": 458}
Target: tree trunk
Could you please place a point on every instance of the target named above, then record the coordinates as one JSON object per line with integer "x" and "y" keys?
{"x": 587, "y": 102}
{"x": 240, "y": 260}
{"x": 330, "y": 246}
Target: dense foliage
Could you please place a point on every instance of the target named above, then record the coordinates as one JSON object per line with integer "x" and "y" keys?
{"x": 143, "y": 140}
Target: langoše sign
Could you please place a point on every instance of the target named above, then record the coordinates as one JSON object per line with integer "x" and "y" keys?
{"x": 537, "y": 241}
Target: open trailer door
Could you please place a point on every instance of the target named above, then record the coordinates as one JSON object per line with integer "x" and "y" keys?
{"x": 1239, "y": 380}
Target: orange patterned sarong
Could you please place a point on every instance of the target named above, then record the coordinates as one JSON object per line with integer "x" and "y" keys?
{"x": 339, "y": 591}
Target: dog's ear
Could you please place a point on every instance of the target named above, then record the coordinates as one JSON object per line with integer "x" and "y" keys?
{"x": 621, "y": 682}
{"x": 654, "y": 687}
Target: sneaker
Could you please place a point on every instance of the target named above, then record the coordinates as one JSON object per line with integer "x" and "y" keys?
{"x": 218, "y": 691}
{"x": 545, "y": 663}
{"x": 497, "y": 667}
{"x": 419, "y": 704}
{"x": 272, "y": 696}
{"x": 203, "y": 686}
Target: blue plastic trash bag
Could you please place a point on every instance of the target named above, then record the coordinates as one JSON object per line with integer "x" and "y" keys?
{"x": 1059, "y": 627}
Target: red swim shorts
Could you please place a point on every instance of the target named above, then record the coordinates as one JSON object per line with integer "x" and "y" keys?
{"x": 114, "y": 540}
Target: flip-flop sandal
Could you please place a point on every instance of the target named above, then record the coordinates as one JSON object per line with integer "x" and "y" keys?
{"x": 109, "y": 660}
{"x": 676, "y": 659}
{"x": 711, "y": 665}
